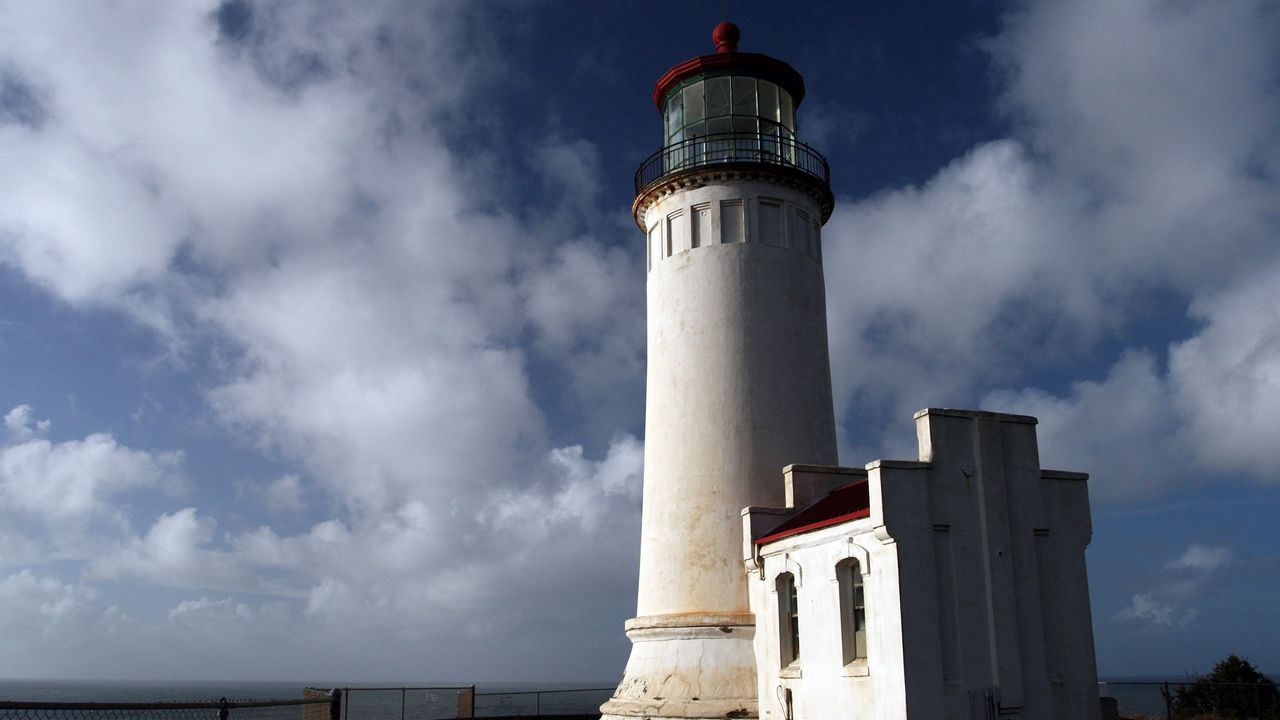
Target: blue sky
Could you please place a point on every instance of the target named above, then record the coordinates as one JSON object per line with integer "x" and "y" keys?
{"x": 322, "y": 330}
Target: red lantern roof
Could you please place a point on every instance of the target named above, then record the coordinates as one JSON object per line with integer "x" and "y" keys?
{"x": 727, "y": 60}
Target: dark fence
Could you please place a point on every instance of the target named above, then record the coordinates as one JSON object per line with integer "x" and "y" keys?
{"x": 352, "y": 703}
{"x": 731, "y": 148}
{"x": 435, "y": 702}
{"x": 462, "y": 701}
{"x": 325, "y": 707}
{"x": 1193, "y": 700}
{"x": 547, "y": 703}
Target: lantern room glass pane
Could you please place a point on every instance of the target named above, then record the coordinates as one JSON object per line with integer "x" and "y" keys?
{"x": 768, "y": 100}
{"x": 744, "y": 96}
{"x": 717, "y": 96}
{"x": 675, "y": 113}
{"x": 786, "y": 111}
{"x": 694, "y": 109}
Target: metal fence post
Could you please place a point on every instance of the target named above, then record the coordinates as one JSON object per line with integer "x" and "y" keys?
{"x": 223, "y": 710}
{"x": 335, "y": 704}
{"x": 1168, "y": 703}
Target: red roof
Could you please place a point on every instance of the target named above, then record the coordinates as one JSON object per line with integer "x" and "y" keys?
{"x": 727, "y": 59}
{"x": 849, "y": 502}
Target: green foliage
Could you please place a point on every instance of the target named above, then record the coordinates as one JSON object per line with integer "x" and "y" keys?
{"x": 1233, "y": 690}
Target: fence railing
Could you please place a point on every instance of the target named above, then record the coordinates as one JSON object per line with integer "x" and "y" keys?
{"x": 424, "y": 702}
{"x": 433, "y": 702}
{"x": 1191, "y": 699}
{"x": 442, "y": 702}
{"x": 306, "y": 708}
{"x": 560, "y": 703}
{"x": 727, "y": 148}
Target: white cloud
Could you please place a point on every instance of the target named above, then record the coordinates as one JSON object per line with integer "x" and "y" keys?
{"x": 1145, "y": 156}
{"x": 285, "y": 494}
{"x": 19, "y": 427}
{"x": 1143, "y": 608}
{"x": 1123, "y": 429}
{"x": 1184, "y": 580}
{"x": 1203, "y": 558}
{"x": 66, "y": 481}
{"x": 175, "y": 552}
{"x": 41, "y": 604}
{"x": 189, "y": 608}
{"x": 1227, "y": 378}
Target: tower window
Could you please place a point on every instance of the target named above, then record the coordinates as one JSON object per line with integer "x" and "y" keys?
{"x": 677, "y": 233}
{"x": 770, "y": 222}
{"x": 655, "y": 244}
{"x": 788, "y": 619}
{"x": 701, "y": 230}
{"x": 731, "y": 222}
{"x": 853, "y": 612}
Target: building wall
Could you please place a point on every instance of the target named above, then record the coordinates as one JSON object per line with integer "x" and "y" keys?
{"x": 977, "y": 600}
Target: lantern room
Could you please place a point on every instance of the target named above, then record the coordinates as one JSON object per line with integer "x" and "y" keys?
{"x": 730, "y": 107}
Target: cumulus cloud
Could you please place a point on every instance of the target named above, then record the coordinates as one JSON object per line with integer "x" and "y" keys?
{"x": 1183, "y": 581}
{"x": 19, "y": 427}
{"x": 1124, "y": 429}
{"x": 1144, "y": 158}
{"x": 72, "y": 480}
{"x": 41, "y": 603}
{"x": 1143, "y": 608}
{"x": 1203, "y": 558}
{"x": 1226, "y": 379}
{"x": 175, "y": 552}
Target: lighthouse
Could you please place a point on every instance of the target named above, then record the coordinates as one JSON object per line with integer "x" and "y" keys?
{"x": 773, "y": 583}
{"x": 739, "y": 382}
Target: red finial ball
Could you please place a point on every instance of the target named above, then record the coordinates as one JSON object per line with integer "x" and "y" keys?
{"x": 725, "y": 36}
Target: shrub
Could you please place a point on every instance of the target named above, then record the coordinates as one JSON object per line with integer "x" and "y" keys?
{"x": 1233, "y": 690}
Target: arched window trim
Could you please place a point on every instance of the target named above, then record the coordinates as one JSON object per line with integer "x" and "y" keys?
{"x": 786, "y": 590}
{"x": 851, "y": 576}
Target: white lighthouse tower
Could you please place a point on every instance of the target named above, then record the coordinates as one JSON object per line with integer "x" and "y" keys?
{"x": 739, "y": 382}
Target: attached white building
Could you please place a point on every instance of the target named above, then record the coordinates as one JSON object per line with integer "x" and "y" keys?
{"x": 949, "y": 587}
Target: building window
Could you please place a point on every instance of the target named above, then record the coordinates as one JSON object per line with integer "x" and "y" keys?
{"x": 853, "y": 611}
{"x": 788, "y": 620}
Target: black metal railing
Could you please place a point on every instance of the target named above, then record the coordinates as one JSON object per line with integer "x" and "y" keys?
{"x": 311, "y": 708}
{"x": 532, "y": 703}
{"x": 423, "y": 702}
{"x": 727, "y": 148}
